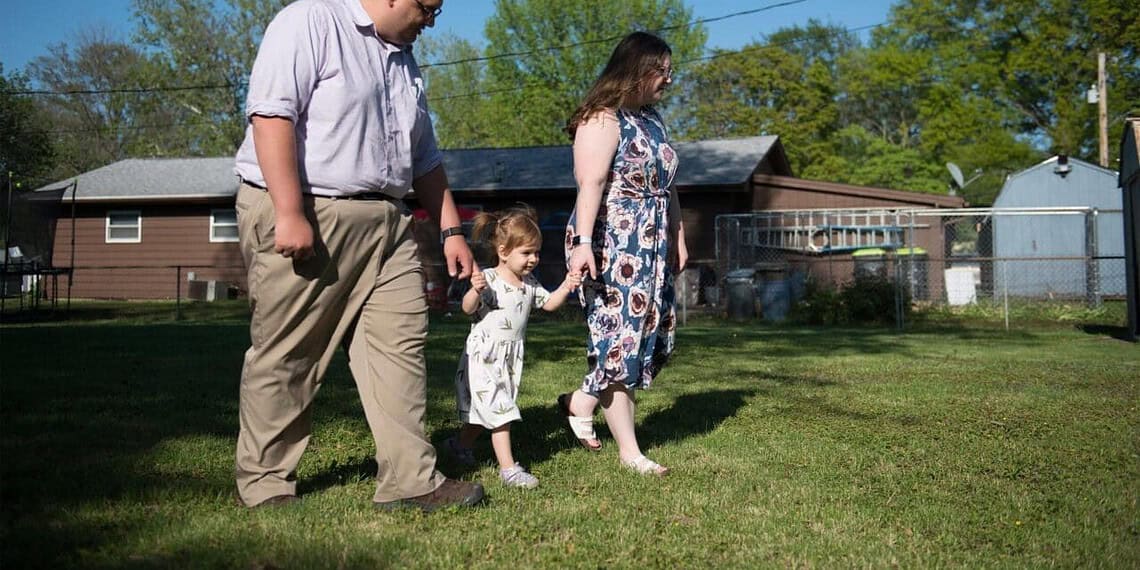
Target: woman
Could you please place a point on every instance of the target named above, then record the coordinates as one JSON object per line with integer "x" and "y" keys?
{"x": 626, "y": 235}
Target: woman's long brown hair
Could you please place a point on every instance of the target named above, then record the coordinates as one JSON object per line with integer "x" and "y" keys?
{"x": 633, "y": 59}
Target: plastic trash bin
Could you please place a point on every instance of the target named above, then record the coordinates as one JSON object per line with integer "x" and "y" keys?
{"x": 870, "y": 262}
{"x": 773, "y": 291}
{"x": 740, "y": 293}
{"x": 915, "y": 268}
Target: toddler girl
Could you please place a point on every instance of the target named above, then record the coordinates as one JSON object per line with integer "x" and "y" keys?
{"x": 490, "y": 370}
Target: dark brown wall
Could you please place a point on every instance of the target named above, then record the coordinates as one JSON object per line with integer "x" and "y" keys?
{"x": 172, "y": 236}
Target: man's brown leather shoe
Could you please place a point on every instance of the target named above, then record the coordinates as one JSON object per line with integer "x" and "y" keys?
{"x": 276, "y": 501}
{"x": 451, "y": 493}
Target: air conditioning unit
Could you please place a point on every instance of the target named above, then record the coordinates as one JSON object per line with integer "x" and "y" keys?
{"x": 209, "y": 291}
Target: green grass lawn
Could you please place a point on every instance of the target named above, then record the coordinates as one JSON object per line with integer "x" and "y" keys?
{"x": 946, "y": 446}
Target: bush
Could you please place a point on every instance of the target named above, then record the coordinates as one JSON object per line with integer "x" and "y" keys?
{"x": 867, "y": 299}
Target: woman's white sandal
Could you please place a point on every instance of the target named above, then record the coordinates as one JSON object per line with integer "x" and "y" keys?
{"x": 581, "y": 426}
{"x": 646, "y": 466}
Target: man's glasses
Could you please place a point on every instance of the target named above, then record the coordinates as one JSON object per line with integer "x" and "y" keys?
{"x": 429, "y": 12}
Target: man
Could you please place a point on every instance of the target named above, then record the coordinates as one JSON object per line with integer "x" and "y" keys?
{"x": 339, "y": 132}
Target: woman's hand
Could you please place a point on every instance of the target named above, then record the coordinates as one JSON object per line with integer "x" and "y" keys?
{"x": 582, "y": 261}
{"x": 572, "y": 281}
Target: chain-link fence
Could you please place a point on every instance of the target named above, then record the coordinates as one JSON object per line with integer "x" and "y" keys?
{"x": 767, "y": 262}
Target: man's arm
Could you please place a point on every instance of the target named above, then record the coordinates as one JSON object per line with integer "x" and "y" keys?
{"x": 275, "y": 143}
{"x": 434, "y": 194}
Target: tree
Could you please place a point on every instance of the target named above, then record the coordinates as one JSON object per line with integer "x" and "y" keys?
{"x": 786, "y": 86}
{"x": 542, "y": 56}
{"x": 202, "y": 52}
{"x": 1033, "y": 60}
{"x": 25, "y": 148}
{"x": 462, "y": 115}
{"x": 95, "y": 116}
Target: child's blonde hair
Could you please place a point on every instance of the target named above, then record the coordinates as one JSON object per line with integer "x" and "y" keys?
{"x": 508, "y": 229}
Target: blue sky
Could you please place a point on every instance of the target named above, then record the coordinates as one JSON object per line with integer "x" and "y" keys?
{"x": 28, "y": 27}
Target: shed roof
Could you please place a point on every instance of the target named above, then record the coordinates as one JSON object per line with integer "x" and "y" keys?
{"x": 884, "y": 194}
{"x": 1045, "y": 184}
{"x": 705, "y": 163}
{"x": 1049, "y": 163}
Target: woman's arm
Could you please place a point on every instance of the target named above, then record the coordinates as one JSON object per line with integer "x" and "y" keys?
{"x": 595, "y": 144}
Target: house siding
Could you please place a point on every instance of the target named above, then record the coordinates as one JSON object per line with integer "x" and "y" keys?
{"x": 175, "y": 241}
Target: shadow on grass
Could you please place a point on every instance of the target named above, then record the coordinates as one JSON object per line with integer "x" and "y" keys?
{"x": 1118, "y": 333}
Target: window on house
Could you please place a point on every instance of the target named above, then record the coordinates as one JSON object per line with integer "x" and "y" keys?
{"x": 124, "y": 226}
{"x": 223, "y": 225}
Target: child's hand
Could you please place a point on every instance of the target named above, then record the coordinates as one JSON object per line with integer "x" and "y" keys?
{"x": 478, "y": 281}
{"x": 572, "y": 281}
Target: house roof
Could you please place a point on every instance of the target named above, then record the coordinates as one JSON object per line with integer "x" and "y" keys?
{"x": 704, "y": 163}
{"x": 900, "y": 196}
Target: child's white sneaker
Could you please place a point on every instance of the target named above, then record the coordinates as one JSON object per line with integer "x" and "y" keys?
{"x": 516, "y": 476}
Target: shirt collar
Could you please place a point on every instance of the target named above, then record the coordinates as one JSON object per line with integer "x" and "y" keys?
{"x": 361, "y": 18}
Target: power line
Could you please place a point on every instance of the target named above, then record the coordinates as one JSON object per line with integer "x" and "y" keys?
{"x": 738, "y": 52}
{"x": 746, "y": 50}
{"x": 121, "y": 90}
{"x": 733, "y": 53}
{"x": 138, "y": 90}
{"x": 609, "y": 39}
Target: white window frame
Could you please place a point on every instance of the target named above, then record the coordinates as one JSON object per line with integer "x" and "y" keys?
{"x": 214, "y": 225}
{"x": 138, "y": 226}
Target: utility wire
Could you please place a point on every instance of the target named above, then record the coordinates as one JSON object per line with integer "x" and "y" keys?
{"x": 608, "y": 39}
{"x": 532, "y": 83}
{"x": 122, "y": 90}
{"x": 426, "y": 66}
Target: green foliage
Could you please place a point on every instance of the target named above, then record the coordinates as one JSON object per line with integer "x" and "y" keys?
{"x": 525, "y": 99}
{"x": 821, "y": 305}
{"x": 211, "y": 46}
{"x": 866, "y": 299}
{"x": 105, "y": 123}
{"x": 25, "y": 148}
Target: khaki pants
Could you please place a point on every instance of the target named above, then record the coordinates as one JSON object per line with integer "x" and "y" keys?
{"x": 362, "y": 288}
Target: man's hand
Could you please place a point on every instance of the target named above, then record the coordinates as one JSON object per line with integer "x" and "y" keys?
{"x": 460, "y": 261}
{"x": 293, "y": 237}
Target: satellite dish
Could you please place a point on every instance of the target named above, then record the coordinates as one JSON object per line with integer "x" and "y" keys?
{"x": 956, "y": 174}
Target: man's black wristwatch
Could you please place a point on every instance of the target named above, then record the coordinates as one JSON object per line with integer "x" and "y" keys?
{"x": 452, "y": 231}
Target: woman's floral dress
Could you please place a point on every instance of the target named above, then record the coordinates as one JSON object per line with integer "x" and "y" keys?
{"x": 490, "y": 370}
{"x": 631, "y": 320}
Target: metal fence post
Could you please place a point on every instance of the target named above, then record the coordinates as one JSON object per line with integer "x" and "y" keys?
{"x": 178, "y": 293}
{"x": 1005, "y": 291}
{"x": 1092, "y": 264}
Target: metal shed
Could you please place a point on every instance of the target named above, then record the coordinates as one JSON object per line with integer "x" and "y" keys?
{"x": 1130, "y": 187}
{"x": 1058, "y": 230}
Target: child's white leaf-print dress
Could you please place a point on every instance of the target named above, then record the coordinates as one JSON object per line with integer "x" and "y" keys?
{"x": 490, "y": 370}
